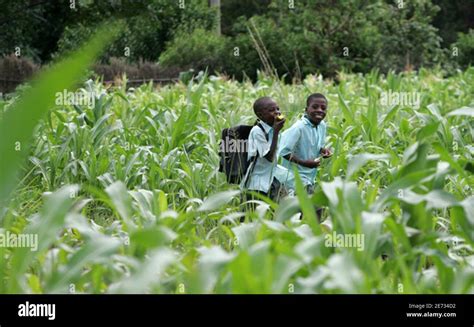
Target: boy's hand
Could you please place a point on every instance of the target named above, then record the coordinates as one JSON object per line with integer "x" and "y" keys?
{"x": 312, "y": 163}
{"x": 326, "y": 153}
{"x": 278, "y": 124}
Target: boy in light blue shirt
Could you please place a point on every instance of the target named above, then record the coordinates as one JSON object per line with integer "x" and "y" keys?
{"x": 303, "y": 143}
{"x": 262, "y": 149}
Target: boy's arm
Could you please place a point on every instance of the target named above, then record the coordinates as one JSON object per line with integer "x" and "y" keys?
{"x": 277, "y": 126}
{"x": 290, "y": 139}
{"x": 259, "y": 141}
{"x": 301, "y": 162}
{"x": 325, "y": 152}
{"x": 271, "y": 153}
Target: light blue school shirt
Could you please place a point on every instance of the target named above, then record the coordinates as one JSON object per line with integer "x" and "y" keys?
{"x": 304, "y": 140}
{"x": 262, "y": 175}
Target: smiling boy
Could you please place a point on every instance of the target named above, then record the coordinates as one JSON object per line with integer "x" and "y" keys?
{"x": 262, "y": 148}
{"x": 303, "y": 143}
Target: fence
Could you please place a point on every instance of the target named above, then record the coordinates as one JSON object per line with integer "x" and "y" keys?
{"x": 9, "y": 85}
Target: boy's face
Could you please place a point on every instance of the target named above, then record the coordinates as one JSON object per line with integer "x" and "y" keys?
{"x": 269, "y": 112}
{"x": 316, "y": 110}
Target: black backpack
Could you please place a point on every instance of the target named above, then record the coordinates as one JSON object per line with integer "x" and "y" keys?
{"x": 233, "y": 152}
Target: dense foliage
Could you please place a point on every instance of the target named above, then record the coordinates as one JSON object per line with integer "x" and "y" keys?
{"x": 126, "y": 197}
{"x": 300, "y": 37}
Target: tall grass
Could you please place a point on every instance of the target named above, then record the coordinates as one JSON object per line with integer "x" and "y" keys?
{"x": 150, "y": 213}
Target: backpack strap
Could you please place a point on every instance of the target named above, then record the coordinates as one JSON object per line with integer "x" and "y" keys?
{"x": 263, "y": 130}
{"x": 254, "y": 159}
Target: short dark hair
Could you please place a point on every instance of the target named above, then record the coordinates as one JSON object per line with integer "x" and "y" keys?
{"x": 260, "y": 103}
{"x": 315, "y": 96}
